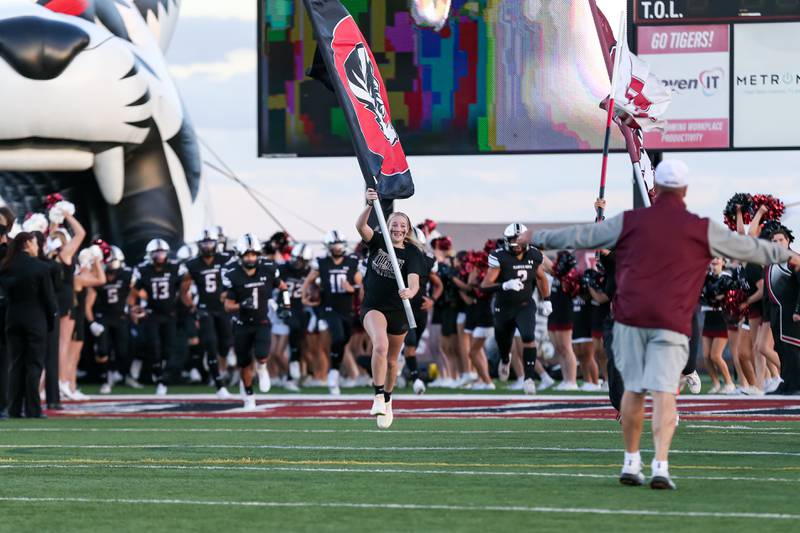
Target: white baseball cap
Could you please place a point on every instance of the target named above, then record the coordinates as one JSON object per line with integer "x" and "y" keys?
{"x": 672, "y": 173}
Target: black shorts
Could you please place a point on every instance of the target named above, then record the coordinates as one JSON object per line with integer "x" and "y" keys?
{"x": 449, "y": 321}
{"x": 479, "y": 315}
{"x": 714, "y": 326}
{"x": 396, "y": 321}
{"x": 215, "y": 332}
{"x": 508, "y": 320}
{"x": 599, "y": 315}
{"x": 561, "y": 317}
{"x": 582, "y": 322}
{"x": 251, "y": 340}
{"x": 436, "y": 318}
{"x": 415, "y": 335}
{"x": 78, "y": 314}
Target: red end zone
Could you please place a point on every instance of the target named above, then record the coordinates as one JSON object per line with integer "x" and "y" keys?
{"x": 706, "y": 408}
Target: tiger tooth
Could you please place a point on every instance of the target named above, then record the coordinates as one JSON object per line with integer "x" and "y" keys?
{"x": 109, "y": 170}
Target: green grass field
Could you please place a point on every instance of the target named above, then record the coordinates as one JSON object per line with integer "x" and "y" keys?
{"x": 423, "y": 475}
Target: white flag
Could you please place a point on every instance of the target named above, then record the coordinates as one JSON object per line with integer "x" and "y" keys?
{"x": 639, "y": 94}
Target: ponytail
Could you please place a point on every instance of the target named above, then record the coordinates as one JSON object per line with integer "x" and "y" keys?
{"x": 15, "y": 248}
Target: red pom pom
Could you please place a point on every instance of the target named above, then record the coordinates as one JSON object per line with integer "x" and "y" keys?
{"x": 731, "y": 304}
{"x": 775, "y": 208}
{"x": 51, "y": 200}
{"x": 571, "y": 283}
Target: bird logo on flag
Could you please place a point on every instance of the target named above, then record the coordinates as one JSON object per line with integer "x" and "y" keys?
{"x": 366, "y": 88}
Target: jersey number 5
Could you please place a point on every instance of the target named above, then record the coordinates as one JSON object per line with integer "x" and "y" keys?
{"x": 211, "y": 283}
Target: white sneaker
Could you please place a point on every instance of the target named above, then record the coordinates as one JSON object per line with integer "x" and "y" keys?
{"x": 729, "y": 390}
{"x": 363, "y": 381}
{"x": 567, "y": 386}
{"x": 378, "y": 406}
{"x": 504, "y": 370}
{"x": 772, "y": 384}
{"x": 418, "y": 386}
{"x": 714, "y": 389}
{"x": 590, "y": 387}
{"x": 480, "y": 385}
{"x": 195, "y": 376}
{"x": 529, "y": 387}
{"x": 546, "y": 382}
{"x": 78, "y": 395}
{"x": 249, "y": 402}
{"x": 436, "y": 383}
{"x": 294, "y": 370}
{"x": 132, "y": 383}
{"x": 464, "y": 381}
{"x": 115, "y": 377}
{"x": 105, "y": 388}
{"x": 264, "y": 383}
{"x": 333, "y": 382}
{"x": 231, "y": 359}
{"x": 291, "y": 386}
{"x": 632, "y": 476}
{"x": 161, "y": 390}
{"x": 136, "y": 369}
{"x": 752, "y": 390}
{"x": 401, "y": 364}
{"x": 223, "y": 394}
{"x": 65, "y": 390}
{"x": 384, "y": 421}
{"x": 604, "y": 386}
{"x": 517, "y": 385}
{"x": 473, "y": 376}
{"x": 449, "y": 383}
{"x": 694, "y": 383}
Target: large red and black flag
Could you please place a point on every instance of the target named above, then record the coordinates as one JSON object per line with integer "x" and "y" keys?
{"x": 345, "y": 64}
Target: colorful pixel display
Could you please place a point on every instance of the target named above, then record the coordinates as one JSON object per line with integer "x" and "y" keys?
{"x": 502, "y": 76}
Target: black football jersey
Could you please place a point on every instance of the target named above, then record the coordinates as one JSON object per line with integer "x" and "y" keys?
{"x": 332, "y": 278}
{"x": 113, "y": 296}
{"x": 207, "y": 278}
{"x": 254, "y": 291}
{"x": 294, "y": 278}
{"x": 162, "y": 286}
{"x": 510, "y": 268}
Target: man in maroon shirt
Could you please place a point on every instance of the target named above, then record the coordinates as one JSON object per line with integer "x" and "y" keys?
{"x": 662, "y": 256}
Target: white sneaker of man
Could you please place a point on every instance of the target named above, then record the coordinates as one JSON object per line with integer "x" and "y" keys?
{"x": 385, "y": 421}
{"x": 693, "y": 382}
{"x": 132, "y": 383}
{"x": 264, "y": 382}
{"x": 223, "y": 394}
{"x": 333, "y": 382}
{"x": 632, "y": 475}
{"x": 105, "y": 388}
{"x": 294, "y": 370}
{"x": 546, "y": 382}
{"x": 161, "y": 390}
{"x": 378, "y": 406}
{"x": 418, "y": 386}
{"x": 529, "y": 387}
{"x": 195, "y": 376}
{"x": 249, "y": 402}
{"x": 504, "y": 370}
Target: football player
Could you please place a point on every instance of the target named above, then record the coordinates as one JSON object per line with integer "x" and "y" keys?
{"x": 205, "y": 272}
{"x": 513, "y": 270}
{"x": 248, "y": 288}
{"x": 157, "y": 283}
{"x": 294, "y": 274}
{"x": 339, "y": 279}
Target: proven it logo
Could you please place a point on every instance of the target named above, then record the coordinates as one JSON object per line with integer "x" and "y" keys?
{"x": 708, "y": 81}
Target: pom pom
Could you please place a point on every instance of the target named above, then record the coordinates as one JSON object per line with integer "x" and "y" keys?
{"x": 594, "y": 279}
{"x": 67, "y": 207}
{"x": 775, "y": 208}
{"x": 443, "y": 244}
{"x": 731, "y": 304}
{"x": 571, "y": 283}
{"x": 35, "y": 222}
{"x": 565, "y": 261}
{"x": 745, "y": 201}
{"x": 51, "y": 200}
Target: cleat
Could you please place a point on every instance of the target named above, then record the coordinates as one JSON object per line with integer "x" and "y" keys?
{"x": 546, "y": 382}
{"x": 105, "y": 388}
{"x": 291, "y": 386}
{"x": 132, "y": 383}
{"x": 529, "y": 387}
{"x": 264, "y": 383}
{"x": 504, "y": 370}
{"x": 634, "y": 479}
{"x": 418, "y": 386}
{"x": 223, "y": 394}
{"x": 161, "y": 390}
{"x": 384, "y": 421}
{"x": 194, "y": 376}
{"x": 662, "y": 483}
{"x": 378, "y": 406}
{"x": 333, "y": 382}
{"x": 249, "y": 402}
{"x": 294, "y": 370}
{"x": 693, "y": 382}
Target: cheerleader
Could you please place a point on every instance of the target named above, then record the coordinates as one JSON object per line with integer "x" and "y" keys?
{"x": 715, "y": 332}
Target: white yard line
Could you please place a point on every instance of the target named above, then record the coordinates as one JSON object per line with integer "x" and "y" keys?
{"x": 277, "y": 430}
{"x": 361, "y": 470}
{"x": 401, "y": 506}
{"x": 379, "y": 448}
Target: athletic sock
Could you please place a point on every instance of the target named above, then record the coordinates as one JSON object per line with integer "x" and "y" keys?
{"x": 213, "y": 369}
{"x": 378, "y": 389}
{"x": 633, "y": 461}
{"x": 336, "y": 359}
{"x": 387, "y": 396}
{"x": 411, "y": 363}
{"x": 529, "y": 357}
{"x": 660, "y": 468}
{"x": 196, "y": 355}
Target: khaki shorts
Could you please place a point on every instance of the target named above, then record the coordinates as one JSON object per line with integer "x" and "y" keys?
{"x": 650, "y": 359}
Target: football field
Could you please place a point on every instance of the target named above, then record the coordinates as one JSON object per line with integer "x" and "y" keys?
{"x": 477, "y": 472}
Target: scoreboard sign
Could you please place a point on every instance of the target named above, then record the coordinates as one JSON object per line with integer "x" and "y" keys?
{"x": 713, "y": 11}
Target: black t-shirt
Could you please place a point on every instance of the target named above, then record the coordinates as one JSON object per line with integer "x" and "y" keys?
{"x": 609, "y": 262}
{"x": 450, "y": 296}
{"x": 511, "y": 267}
{"x": 161, "y": 285}
{"x": 252, "y": 291}
{"x": 753, "y": 273}
{"x": 294, "y": 278}
{"x": 429, "y": 265}
{"x": 208, "y": 280}
{"x": 380, "y": 286}
{"x": 332, "y": 278}
{"x": 112, "y": 297}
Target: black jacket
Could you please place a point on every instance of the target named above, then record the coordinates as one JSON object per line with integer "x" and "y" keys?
{"x": 30, "y": 299}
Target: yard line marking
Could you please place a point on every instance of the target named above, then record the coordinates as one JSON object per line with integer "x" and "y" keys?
{"x": 380, "y": 448}
{"x": 400, "y": 506}
{"x": 277, "y": 430}
{"x": 111, "y": 466}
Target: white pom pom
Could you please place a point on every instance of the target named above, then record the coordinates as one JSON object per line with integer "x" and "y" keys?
{"x": 36, "y": 222}
{"x": 97, "y": 252}
{"x": 56, "y": 215}
{"x": 67, "y": 207}
{"x": 86, "y": 257}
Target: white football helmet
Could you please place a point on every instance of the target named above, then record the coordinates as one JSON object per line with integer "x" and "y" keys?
{"x": 511, "y": 235}
{"x": 301, "y": 251}
{"x": 247, "y": 243}
{"x": 335, "y": 242}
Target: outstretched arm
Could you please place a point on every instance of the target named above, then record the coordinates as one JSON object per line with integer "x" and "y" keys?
{"x": 581, "y": 237}
{"x": 725, "y": 243}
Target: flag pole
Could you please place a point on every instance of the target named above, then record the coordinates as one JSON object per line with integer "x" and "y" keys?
{"x": 610, "y": 115}
{"x": 398, "y": 275}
